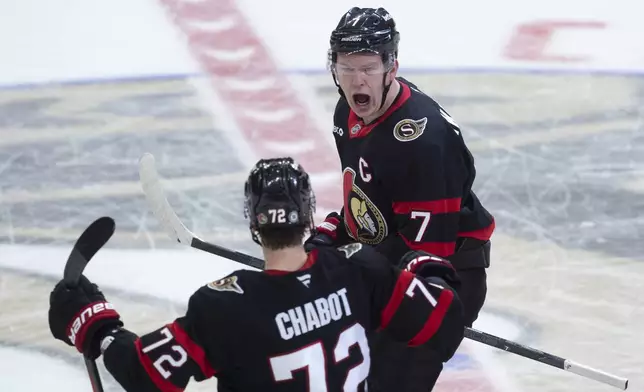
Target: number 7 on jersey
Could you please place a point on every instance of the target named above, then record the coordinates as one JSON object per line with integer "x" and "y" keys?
{"x": 425, "y": 215}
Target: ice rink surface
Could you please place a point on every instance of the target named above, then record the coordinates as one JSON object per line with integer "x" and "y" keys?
{"x": 559, "y": 155}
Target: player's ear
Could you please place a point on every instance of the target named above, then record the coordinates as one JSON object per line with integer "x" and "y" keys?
{"x": 394, "y": 71}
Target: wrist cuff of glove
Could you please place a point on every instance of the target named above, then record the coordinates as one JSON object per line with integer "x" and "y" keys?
{"x": 415, "y": 264}
{"x": 329, "y": 227}
{"x": 89, "y": 320}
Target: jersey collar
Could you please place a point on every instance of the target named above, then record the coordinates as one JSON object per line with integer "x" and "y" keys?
{"x": 310, "y": 260}
{"x": 357, "y": 127}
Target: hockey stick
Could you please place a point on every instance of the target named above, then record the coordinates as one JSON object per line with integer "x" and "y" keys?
{"x": 155, "y": 196}
{"x": 165, "y": 214}
{"x": 90, "y": 241}
{"x": 548, "y": 359}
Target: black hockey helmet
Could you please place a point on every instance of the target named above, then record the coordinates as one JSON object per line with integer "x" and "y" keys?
{"x": 278, "y": 194}
{"x": 366, "y": 30}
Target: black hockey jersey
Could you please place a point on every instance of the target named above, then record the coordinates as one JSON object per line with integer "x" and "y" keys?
{"x": 290, "y": 331}
{"x": 407, "y": 178}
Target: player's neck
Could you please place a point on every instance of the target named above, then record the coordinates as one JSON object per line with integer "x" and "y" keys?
{"x": 389, "y": 100}
{"x": 287, "y": 259}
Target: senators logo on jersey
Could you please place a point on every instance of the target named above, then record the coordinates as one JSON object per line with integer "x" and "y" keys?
{"x": 363, "y": 220}
{"x": 350, "y": 249}
{"x": 226, "y": 284}
{"x": 407, "y": 130}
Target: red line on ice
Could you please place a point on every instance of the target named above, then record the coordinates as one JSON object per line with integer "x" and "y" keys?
{"x": 265, "y": 106}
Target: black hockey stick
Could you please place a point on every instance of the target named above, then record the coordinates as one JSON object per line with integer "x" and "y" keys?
{"x": 177, "y": 230}
{"x": 547, "y": 358}
{"x": 93, "y": 238}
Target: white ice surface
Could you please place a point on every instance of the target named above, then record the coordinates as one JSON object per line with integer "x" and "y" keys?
{"x": 32, "y": 371}
{"x": 167, "y": 274}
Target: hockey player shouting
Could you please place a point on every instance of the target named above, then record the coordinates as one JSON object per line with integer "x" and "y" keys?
{"x": 303, "y": 324}
{"x": 407, "y": 178}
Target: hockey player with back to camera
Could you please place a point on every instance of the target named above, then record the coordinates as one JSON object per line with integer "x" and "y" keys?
{"x": 302, "y": 324}
{"x": 407, "y": 181}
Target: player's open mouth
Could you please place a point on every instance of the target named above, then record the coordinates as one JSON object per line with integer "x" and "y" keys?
{"x": 361, "y": 99}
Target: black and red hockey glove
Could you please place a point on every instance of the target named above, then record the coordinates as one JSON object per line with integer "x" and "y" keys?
{"x": 427, "y": 265}
{"x": 78, "y": 316}
{"x": 331, "y": 232}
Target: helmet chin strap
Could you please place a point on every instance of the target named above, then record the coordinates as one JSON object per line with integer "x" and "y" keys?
{"x": 255, "y": 236}
{"x": 337, "y": 84}
{"x": 385, "y": 90}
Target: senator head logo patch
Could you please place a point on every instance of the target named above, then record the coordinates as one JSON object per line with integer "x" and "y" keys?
{"x": 362, "y": 218}
{"x": 407, "y": 130}
{"x": 228, "y": 283}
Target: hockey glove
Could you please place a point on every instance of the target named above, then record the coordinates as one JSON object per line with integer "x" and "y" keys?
{"x": 427, "y": 265}
{"x": 326, "y": 233}
{"x": 78, "y": 314}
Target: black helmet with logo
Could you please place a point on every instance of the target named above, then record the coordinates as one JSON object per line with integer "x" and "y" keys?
{"x": 366, "y": 30}
{"x": 278, "y": 194}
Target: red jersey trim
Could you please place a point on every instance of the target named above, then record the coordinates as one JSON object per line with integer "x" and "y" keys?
{"x": 161, "y": 383}
{"x": 403, "y": 282}
{"x": 482, "y": 234}
{"x": 364, "y": 129}
{"x": 348, "y": 180}
{"x": 442, "y": 206}
{"x": 310, "y": 260}
{"x": 442, "y": 249}
{"x": 194, "y": 350}
{"x": 434, "y": 320}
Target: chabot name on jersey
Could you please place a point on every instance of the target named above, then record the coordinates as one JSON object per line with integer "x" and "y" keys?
{"x": 313, "y": 315}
